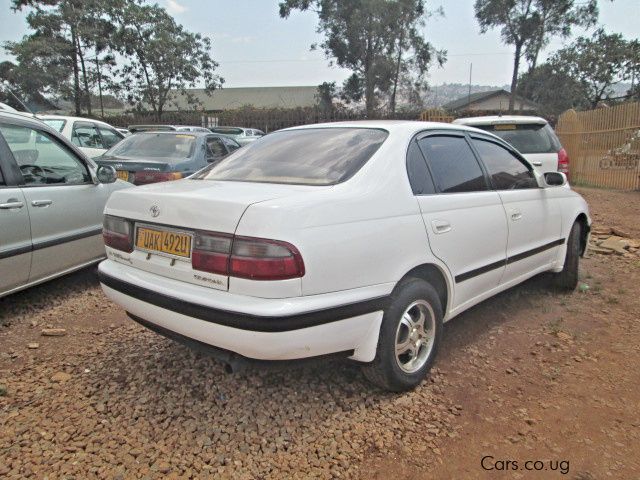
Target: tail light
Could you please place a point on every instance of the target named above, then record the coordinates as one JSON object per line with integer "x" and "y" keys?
{"x": 246, "y": 257}
{"x": 260, "y": 259}
{"x": 211, "y": 252}
{"x": 150, "y": 176}
{"x": 118, "y": 233}
{"x": 563, "y": 162}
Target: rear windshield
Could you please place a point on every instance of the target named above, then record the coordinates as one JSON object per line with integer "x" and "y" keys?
{"x": 314, "y": 156}
{"x": 526, "y": 138}
{"x": 155, "y": 145}
{"x": 227, "y": 131}
{"x": 54, "y": 123}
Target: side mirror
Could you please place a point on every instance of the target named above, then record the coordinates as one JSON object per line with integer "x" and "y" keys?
{"x": 555, "y": 179}
{"x": 106, "y": 174}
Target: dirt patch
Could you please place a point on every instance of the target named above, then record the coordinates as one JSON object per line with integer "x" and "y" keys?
{"x": 530, "y": 375}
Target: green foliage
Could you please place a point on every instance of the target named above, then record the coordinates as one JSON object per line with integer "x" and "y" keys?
{"x": 160, "y": 56}
{"x": 378, "y": 40}
{"x": 599, "y": 62}
{"x": 550, "y": 86}
{"x": 529, "y": 25}
{"x": 75, "y": 45}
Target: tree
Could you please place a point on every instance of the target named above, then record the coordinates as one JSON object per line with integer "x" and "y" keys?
{"x": 375, "y": 39}
{"x": 528, "y": 25}
{"x": 600, "y": 62}
{"x": 551, "y": 86}
{"x": 67, "y": 33}
{"x": 161, "y": 57}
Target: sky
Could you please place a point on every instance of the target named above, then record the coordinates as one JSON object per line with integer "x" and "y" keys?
{"x": 255, "y": 47}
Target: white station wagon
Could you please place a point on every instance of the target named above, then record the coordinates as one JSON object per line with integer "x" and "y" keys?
{"x": 357, "y": 239}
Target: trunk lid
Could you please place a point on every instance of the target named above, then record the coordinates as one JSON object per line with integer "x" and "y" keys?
{"x": 543, "y": 162}
{"x": 182, "y": 207}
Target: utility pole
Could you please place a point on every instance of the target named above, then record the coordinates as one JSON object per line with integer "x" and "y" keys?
{"x": 469, "y": 96}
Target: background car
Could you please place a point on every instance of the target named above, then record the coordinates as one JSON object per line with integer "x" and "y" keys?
{"x": 149, "y": 157}
{"x": 533, "y": 137}
{"x": 356, "y": 239}
{"x": 51, "y": 202}
{"x": 123, "y": 131}
{"x": 92, "y": 137}
{"x": 166, "y": 128}
{"x": 239, "y": 134}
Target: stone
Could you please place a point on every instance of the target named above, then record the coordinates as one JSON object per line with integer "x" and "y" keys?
{"x": 53, "y": 332}
{"x": 617, "y": 244}
{"x": 33, "y": 345}
{"x": 620, "y": 232}
{"x": 60, "y": 377}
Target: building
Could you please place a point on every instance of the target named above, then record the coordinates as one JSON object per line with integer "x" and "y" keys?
{"x": 233, "y": 98}
{"x": 490, "y": 101}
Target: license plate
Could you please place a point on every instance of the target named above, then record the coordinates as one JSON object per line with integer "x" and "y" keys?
{"x": 123, "y": 175}
{"x": 166, "y": 242}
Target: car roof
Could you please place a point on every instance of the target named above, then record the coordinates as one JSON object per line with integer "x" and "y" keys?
{"x": 499, "y": 120}
{"x": 173, "y": 132}
{"x": 29, "y": 118}
{"x": 70, "y": 118}
{"x": 392, "y": 126}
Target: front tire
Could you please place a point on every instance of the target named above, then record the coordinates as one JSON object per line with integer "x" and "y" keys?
{"x": 409, "y": 338}
{"x": 567, "y": 279}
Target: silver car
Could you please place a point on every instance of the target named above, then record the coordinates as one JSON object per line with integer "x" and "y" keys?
{"x": 51, "y": 202}
{"x": 239, "y": 134}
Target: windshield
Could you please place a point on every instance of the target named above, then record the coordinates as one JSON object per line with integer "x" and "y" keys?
{"x": 56, "y": 124}
{"x": 155, "y": 145}
{"x": 526, "y": 138}
{"x": 310, "y": 156}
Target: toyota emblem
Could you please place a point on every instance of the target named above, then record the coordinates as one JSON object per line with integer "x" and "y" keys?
{"x": 155, "y": 211}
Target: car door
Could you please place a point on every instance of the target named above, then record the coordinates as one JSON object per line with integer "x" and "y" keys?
{"x": 215, "y": 149}
{"x": 62, "y": 201}
{"x": 465, "y": 220}
{"x": 533, "y": 218}
{"x": 86, "y": 137}
{"x": 15, "y": 231}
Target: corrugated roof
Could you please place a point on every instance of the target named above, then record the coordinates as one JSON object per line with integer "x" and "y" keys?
{"x": 467, "y": 100}
{"x": 258, "y": 97}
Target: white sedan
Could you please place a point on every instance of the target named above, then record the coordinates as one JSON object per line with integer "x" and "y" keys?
{"x": 92, "y": 137}
{"x": 356, "y": 239}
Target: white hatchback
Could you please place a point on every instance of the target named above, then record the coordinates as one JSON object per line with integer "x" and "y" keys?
{"x": 92, "y": 137}
{"x": 356, "y": 239}
{"x": 533, "y": 137}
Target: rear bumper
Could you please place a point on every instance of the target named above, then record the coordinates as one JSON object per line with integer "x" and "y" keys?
{"x": 288, "y": 329}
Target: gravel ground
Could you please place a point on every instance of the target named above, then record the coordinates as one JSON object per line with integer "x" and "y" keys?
{"x": 109, "y": 399}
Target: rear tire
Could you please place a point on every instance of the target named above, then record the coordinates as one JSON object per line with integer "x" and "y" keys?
{"x": 409, "y": 338}
{"x": 567, "y": 279}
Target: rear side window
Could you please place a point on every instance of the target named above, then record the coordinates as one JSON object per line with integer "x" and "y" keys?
{"x": 419, "y": 176}
{"x": 109, "y": 136}
{"x": 55, "y": 123}
{"x": 507, "y": 172}
{"x": 453, "y": 164}
{"x": 310, "y": 156}
{"x": 86, "y": 135}
{"x": 527, "y": 138}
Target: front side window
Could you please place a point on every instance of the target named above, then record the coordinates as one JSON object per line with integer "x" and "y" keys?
{"x": 230, "y": 143}
{"x": 309, "y": 156}
{"x": 507, "y": 172}
{"x": 41, "y": 159}
{"x": 109, "y": 136}
{"x": 86, "y": 135}
{"x": 453, "y": 164}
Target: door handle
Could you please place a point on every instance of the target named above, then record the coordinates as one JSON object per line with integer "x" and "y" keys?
{"x": 515, "y": 215}
{"x": 537, "y": 163}
{"x": 11, "y": 203}
{"x": 440, "y": 226}
{"x": 41, "y": 203}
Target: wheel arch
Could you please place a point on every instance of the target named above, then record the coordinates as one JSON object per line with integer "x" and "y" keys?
{"x": 585, "y": 228}
{"x": 436, "y": 277}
